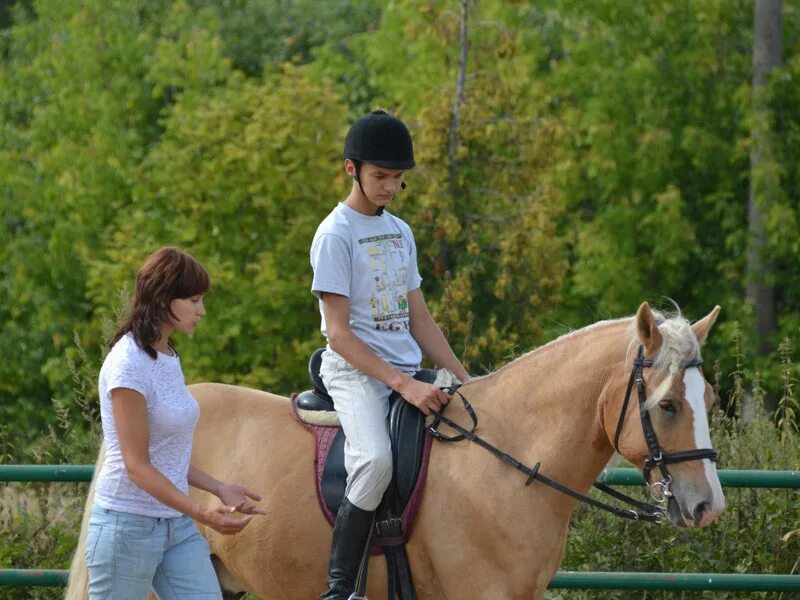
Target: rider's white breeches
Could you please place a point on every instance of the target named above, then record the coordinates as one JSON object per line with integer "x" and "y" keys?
{"x": 362, "y": 403}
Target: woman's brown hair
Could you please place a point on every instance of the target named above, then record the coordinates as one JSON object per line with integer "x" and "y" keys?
{"x": 169, "y": 274}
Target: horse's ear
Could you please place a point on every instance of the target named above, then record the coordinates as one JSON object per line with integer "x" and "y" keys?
{"x": 703, "y": 326}
{"x": 646, "y": 327}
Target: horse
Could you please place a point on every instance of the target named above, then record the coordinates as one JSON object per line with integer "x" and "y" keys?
{"x": 480, "y": 533}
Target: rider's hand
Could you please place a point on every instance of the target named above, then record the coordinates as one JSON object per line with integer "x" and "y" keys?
{"x": 219, "y": 519}
{"x": 425, "y": 396}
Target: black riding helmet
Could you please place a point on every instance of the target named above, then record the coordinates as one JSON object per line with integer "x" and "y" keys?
{"x": 381, "y": 140}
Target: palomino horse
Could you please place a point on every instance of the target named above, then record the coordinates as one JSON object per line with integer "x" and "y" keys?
{"x": 480, "y": 533}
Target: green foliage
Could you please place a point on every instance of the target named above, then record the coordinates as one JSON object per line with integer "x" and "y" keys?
{"x": 600, "y": 158}
{"x": 75, "y": 117}
{"x": 788, "y": 410}
{"x": 260, "y": 34}
{"x": 39, "y": 522}
{"x": 87, "y": 197}
{"x": 250, "y": 221}
{"x": 651, "y": 169}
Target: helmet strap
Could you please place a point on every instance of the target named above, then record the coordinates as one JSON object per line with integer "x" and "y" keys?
{"x": 379, "y": 211}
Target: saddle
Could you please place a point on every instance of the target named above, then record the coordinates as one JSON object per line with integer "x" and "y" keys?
{"x": 411, "y": 445}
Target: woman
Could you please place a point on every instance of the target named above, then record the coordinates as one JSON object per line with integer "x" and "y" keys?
{"x": 141, "y": 530}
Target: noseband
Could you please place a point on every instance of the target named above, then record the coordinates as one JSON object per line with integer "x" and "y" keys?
{"x": 660, "y": 490}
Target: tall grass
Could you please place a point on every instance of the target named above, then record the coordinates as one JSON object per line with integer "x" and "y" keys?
{"x": 39, "y": 522}
{"x": 38, "y": 529}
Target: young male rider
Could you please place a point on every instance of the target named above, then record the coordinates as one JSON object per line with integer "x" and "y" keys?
{"x": 377, "y": 325}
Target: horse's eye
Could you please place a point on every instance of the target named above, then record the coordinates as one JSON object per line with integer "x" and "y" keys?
{"x": 667, "y": 406}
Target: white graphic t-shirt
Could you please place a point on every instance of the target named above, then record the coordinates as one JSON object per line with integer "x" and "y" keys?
{"x": 373, "y": 261}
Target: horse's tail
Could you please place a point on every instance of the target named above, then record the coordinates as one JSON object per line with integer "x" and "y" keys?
{"x": 78, "y": 583}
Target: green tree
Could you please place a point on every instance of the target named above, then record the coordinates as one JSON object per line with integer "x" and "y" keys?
{"x": 656, "y": 102}
{"x": 262, "y": 34}
{"x": 231, "y": 181}
{"x": 599, "y": 156}
{"x": 76, "y": 116}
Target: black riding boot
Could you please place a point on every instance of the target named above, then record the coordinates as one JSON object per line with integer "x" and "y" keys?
{"x": 350, "y": 535}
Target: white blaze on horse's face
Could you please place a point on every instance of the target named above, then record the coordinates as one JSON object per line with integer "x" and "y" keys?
{"x": 677, "y": 400}
{"x": 697, "y": 392}
{"x": 680, "y": 422}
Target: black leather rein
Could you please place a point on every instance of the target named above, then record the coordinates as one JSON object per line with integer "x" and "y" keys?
{"x": 641, "y": 511}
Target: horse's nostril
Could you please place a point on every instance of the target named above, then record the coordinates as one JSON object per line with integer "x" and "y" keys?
{"x": 701, "y": 510}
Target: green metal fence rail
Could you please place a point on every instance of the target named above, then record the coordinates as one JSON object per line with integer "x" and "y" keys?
{"x": 733, "y": 478}
{"x": 728, "y": 477}
{"x": 46, "y": 473}
{"x": 734, "y": 582}
{"x": 562, "y": 579}
{"x": 33, "y": 577}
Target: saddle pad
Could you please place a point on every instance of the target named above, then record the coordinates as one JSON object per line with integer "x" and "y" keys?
{"x": 408, "y": 435}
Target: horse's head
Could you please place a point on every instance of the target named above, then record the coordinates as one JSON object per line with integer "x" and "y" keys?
{"x": 655, "y": 415}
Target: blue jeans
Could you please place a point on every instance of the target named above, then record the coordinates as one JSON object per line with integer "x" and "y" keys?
{"x": 128, "y": 555}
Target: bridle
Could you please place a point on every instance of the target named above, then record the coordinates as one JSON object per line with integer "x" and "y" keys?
{"x": 660, "y": 490}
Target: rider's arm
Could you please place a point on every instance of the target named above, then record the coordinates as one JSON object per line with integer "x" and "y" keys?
{"x": 430, "y": 338}
{"x": 350, "y": 347}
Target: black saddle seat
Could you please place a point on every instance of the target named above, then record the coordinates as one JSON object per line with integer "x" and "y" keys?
{"x": 317, "y": 397}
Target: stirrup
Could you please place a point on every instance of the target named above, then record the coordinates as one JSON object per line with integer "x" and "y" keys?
{"x": 355, "y": 596}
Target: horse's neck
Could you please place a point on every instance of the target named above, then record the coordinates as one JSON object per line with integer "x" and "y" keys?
{"x": 544, "y": 405}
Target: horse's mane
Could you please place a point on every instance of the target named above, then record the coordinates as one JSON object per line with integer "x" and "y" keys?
{"x": 679, "y": 346}
{"x": 554, "y": 343}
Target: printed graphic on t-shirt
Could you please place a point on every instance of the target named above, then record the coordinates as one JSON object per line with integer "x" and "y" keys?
{"x": 388, "y": 261}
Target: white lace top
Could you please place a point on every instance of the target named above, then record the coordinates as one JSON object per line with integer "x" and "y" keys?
{"x": 172, "y": 414}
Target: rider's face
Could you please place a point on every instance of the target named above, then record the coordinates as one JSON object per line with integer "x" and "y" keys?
{"x": 379, "y": 184}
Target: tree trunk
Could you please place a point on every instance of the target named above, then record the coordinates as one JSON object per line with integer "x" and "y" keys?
{"x": 760, "y": 291}
{"x": 444, "y": 262}
{"x": 459, "y": 99}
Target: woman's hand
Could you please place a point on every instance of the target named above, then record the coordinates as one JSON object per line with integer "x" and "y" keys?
{"x": 237, "y": 498}
{"x": 219, "y": 520}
